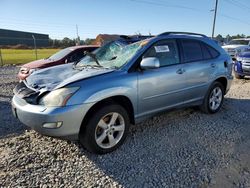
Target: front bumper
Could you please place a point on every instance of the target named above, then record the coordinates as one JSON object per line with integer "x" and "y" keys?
{"x": 241, "y": 69}
{"x": 35, "y": 116}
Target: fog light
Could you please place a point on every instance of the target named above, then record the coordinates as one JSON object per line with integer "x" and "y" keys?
{"x": 53, "y": 125}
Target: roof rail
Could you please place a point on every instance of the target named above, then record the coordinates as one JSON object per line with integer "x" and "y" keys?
{"x": 125, "y": 36}
{"x": 185, "y": 33}
{"x": 135, "y": 36}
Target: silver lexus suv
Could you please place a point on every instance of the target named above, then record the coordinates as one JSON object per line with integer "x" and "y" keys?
{"x": 96, "y": 99}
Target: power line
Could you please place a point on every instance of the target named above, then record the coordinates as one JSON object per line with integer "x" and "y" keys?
{"x": 238, "y": 4}
{"x": 170, "y": 5}
{"x": 54, "y": 25}
{"x": 192, "y": 9}
{"x": 235, "y": 19}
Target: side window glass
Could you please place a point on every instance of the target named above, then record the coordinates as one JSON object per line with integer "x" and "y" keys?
{"x": 166, "y": 51}
{"x": 76, "y": 56}
{"x": 206, "y": 53}
{"x": 212, "y": 51}
{"x": 191, "y": 50}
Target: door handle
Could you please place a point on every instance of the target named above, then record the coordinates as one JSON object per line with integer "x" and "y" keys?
{"x": 213, "y": 65}
{"x": 180, "y": 71}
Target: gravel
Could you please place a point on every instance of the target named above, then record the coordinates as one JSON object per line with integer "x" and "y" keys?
{"x": 183, "y": 148}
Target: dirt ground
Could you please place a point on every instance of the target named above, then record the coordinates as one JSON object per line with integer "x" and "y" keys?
{"x": 181, "y": 148}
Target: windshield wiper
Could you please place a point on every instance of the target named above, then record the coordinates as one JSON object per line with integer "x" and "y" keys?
{"x": 76, "y": 62}
{"x": 113, "y": 58}
{"x": 93, "y": 56}
{"x": 81, "y": 67}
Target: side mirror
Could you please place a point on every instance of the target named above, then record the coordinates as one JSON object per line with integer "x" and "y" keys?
{"x": 150, "y": 63}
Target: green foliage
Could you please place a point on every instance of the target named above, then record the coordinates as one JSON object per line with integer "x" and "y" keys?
{"x": 88, "y": 41}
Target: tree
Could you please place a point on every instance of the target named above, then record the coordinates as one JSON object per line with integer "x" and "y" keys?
{"x": 219, "y": 38}
{"x": 88, "y": 41}
{"x": 67, "y": 42}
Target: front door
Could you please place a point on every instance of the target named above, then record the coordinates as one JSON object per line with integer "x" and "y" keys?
{"x": 163, "y": 87}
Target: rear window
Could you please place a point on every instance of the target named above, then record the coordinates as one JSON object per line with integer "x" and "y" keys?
{"x": 191, "y": 50}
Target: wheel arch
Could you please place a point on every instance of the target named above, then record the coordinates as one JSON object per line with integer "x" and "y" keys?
{"x": 122, "y": 100}
{"x": 223, "y": 81}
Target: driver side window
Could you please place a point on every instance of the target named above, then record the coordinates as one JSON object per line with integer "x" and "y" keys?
{"x": 166, "y": 51}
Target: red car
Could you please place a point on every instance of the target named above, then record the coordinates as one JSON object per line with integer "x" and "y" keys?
{"x": 66, "y": 55}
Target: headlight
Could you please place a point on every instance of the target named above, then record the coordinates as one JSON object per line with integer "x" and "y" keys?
{"x": 24, "y": 70}
{"x": 238, "y": 50}
{"x": 31, "y": 70}
{"x": 58, "y": 97}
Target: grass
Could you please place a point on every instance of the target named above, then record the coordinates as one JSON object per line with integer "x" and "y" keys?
{"x": 20, "y": 56}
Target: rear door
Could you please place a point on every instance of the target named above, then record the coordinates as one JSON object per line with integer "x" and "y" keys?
{"x": 200, "y": 65}
{"x": 162, "y": 87}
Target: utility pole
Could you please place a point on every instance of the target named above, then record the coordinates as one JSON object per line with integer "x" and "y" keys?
{"x": 78, "y": 38}
{"x": 215, "y": 14}
{"x": 35, "y": 45}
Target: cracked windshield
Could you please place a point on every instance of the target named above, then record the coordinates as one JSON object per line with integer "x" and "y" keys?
{"x": 112, "y": 55}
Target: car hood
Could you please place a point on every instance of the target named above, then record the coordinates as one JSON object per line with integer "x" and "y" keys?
{"x": 233, "y": 46}
{"x": 55, "y": 77}
{"x": 38, "y": 63}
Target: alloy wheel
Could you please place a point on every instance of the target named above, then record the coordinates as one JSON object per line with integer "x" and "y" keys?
{"x": 109, "y": 130}
{"x": 215, "y": 98}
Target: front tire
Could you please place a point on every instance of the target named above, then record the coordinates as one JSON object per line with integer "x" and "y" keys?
{"x": 213, "y": 99}
{"x": 106, "y": 130}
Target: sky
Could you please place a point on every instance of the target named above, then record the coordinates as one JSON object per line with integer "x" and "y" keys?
{"x": 59, "y": 18}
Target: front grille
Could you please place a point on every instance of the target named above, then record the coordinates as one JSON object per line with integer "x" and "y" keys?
{"x": 247, "y": 63}
{"x": 23, "y": 92}
{"x": 231, "y": 50}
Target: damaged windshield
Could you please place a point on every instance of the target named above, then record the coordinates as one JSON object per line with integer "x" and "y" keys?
{"x": 112, "y": 55}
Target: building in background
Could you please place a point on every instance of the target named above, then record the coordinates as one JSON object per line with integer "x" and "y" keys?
{"x": 11, "y": 37}
{"x": 102, "y": 39}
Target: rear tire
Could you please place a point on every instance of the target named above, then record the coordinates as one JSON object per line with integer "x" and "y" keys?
{"x": 213, "y": 99}
{"x": 106, "y": 130}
